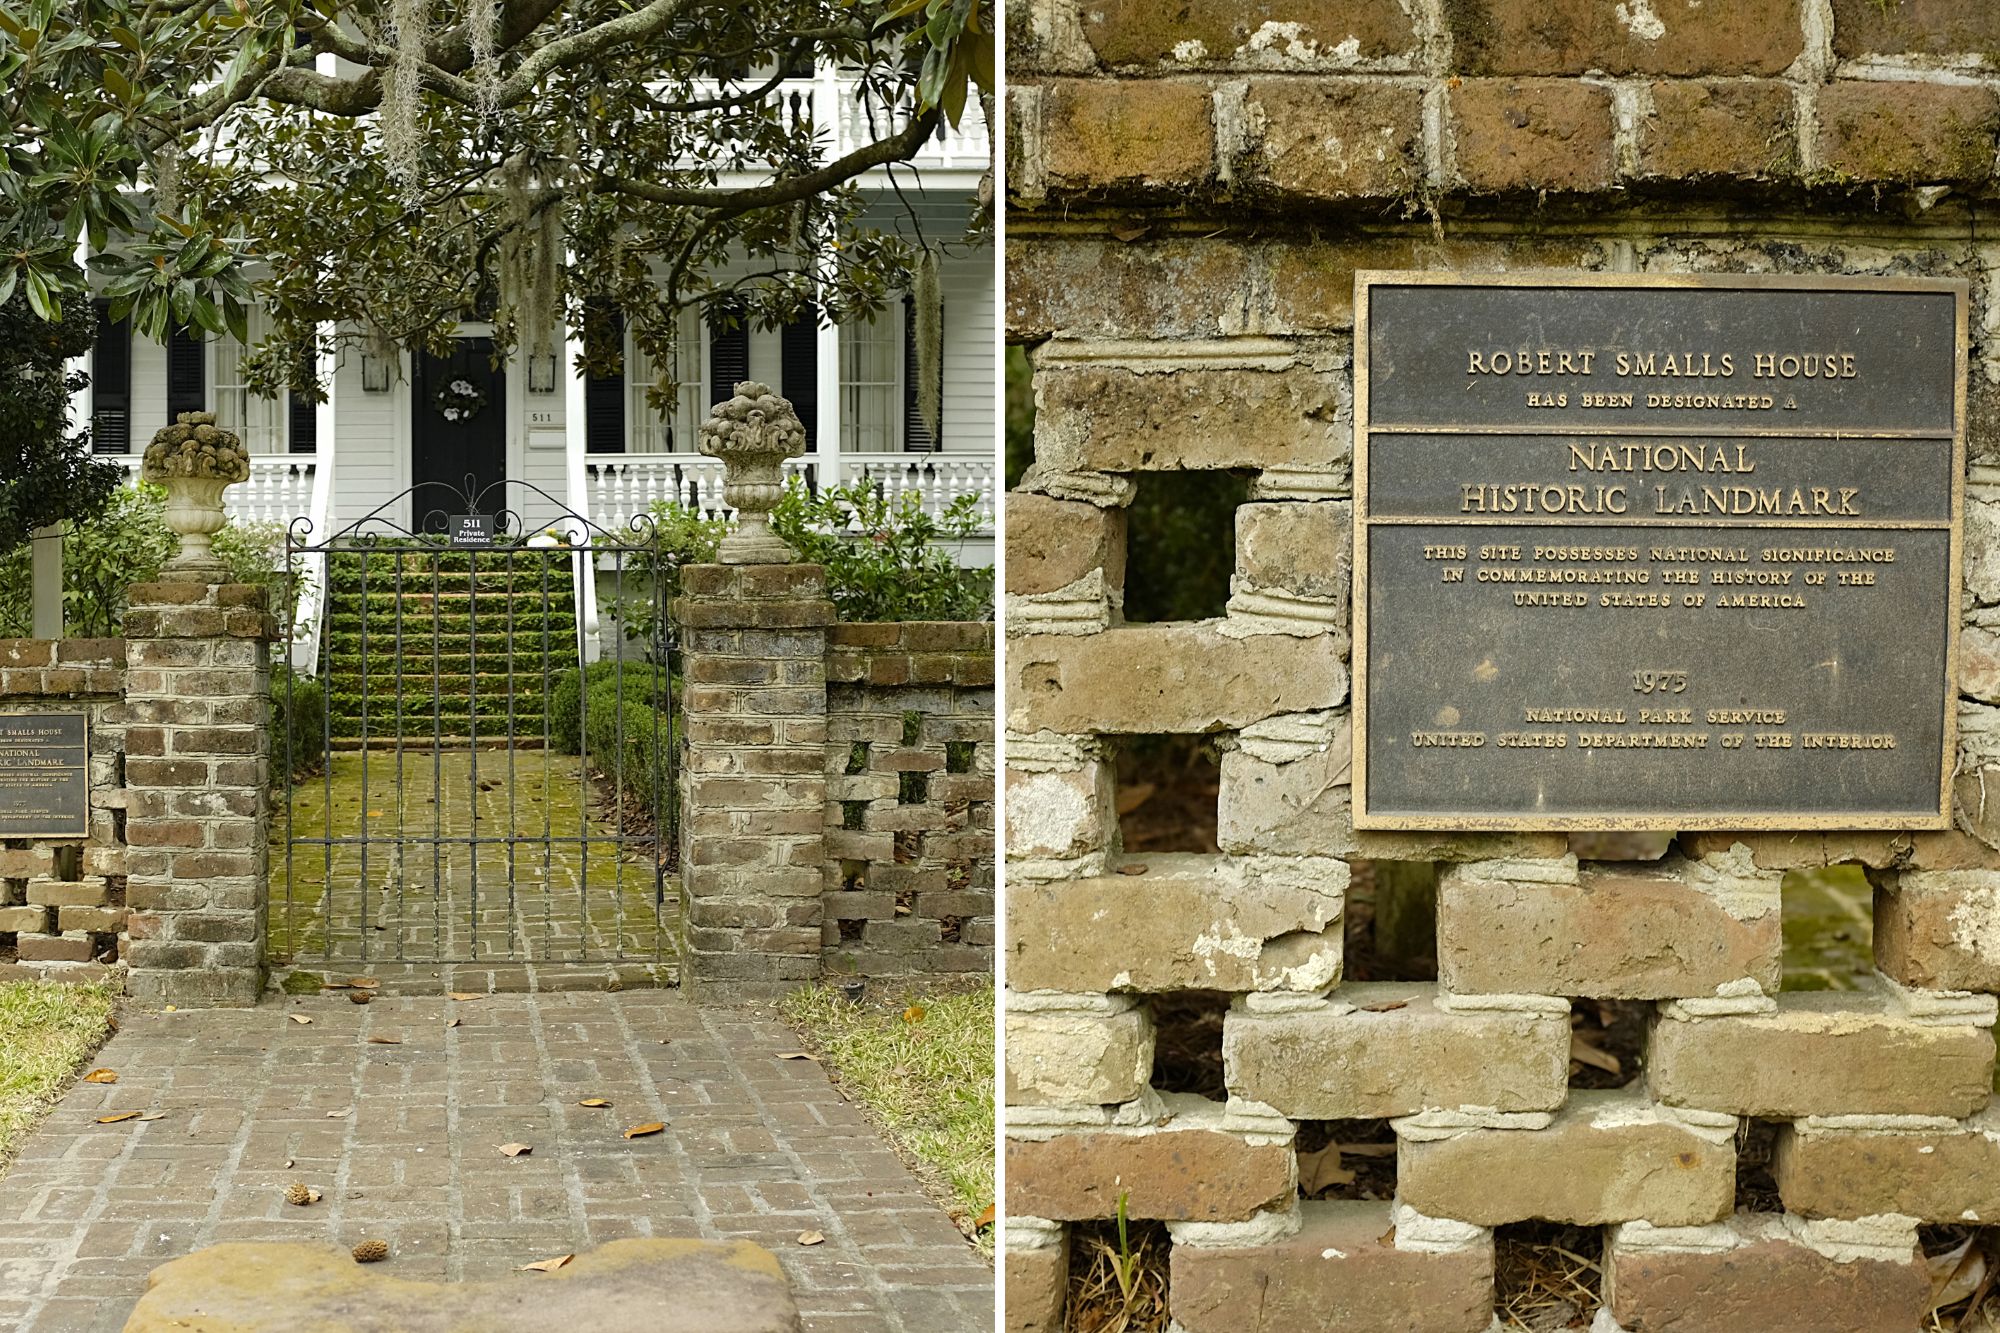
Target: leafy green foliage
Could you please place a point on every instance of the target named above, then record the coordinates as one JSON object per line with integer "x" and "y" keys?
{"x": 102, "y": 558}
{"x": 255, "y": 553}
{"x": 47, "y": 475}
{"x": 883, "y": 557}
{"x": 298, "y": 724}
{"x": 638, "y": 682}
{"x": 681, "y": 537}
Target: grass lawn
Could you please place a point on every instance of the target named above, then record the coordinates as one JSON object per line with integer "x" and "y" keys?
{"x": 47, "y": 1030}
{"x": 923, "y": 1066}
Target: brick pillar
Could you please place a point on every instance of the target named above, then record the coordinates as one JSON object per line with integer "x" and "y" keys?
{"x": 753, "y": 778}
{"x": 197, "y": 773}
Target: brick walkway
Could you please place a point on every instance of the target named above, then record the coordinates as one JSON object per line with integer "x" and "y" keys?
{"x": 403, "y": 1141}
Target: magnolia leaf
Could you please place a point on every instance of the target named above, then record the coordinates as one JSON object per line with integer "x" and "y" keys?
{"x": 463, "y": 995}
{"x": 811, "y": 1238}
{"x": 515, "y": 1149}
{"x": 101, "y": 1076}
{"x": 1384, "y": 1006}
{"x": 641, "y": 1131}
{"x": 114, "y": 1119}
{"x": 386, "y": 1041}
{"x": 299, "y": 1018}
{"x": 1321, "y": 1169}
{"x": 985, "y": 1219}
{"x": 546, "y": 1265}
{"x": 1583, "y": 1052}
{"x": 594, "y": 1102}
{"x": 798, "y": 1055}
{"x": 341, "y": 1114}
{"x": 367, "y": 983}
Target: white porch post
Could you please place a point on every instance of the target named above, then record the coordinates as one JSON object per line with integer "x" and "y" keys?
{"x": 826, "y": 426}
{"x": 326, "y": 430}
{"x": 576, "y": 438}
{"x": 45, "y": 561}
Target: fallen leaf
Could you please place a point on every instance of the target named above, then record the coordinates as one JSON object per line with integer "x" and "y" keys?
{"x": 340, "y": 1114}
{"x": 1129, "y": 232}
{"x": 1583, "y": 1052}
{"x": 336, "y": 985}
{"x": 914, "y": 1014}
{"x": 114, "y": 1119}
{"x": 1384, "y": 1006}
{"x": 1131, "y": 870}
{"x": 152, "y": 1115}
{"x": 984, "y": 1220}
{"x": 386, "y": 1041}
{"x": 593, "y": 1102}
{"x": 811, "y": 1238}
{"x": 1320, "y": 1169}
{"x": 1131, "y": 798}
{"x": 298, "y": 1018}
{"x": 546, "y": 1265}
{"x": 1388, "y": 1237}
{"x": 456, "y": 1023}
{"x": 366, "y": 983}
{"x": 515, "y": 1149}
{"x": 101, "y": 1076}
{"x": 463, "y": 995}
{"x": 288, "y": 1164}
{"x": 374, "y": 814}
{"x": 641, "y": 1131}
{"x": 798, "y": 1055}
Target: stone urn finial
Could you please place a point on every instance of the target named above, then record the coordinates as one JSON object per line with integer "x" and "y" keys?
{"x": 753, "y": 434}
{"x": 195, "y": 459}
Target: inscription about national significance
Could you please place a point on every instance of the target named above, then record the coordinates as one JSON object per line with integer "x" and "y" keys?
{"x": 1656, "y": 552}
{"x": 44, "y": 775}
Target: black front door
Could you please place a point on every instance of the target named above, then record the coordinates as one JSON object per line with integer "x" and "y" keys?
{"x": 458, "y": 426}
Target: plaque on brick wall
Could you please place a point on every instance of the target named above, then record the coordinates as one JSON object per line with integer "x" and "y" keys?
{"x": 1656, "y": 552}
{"x": 44, "y": 775}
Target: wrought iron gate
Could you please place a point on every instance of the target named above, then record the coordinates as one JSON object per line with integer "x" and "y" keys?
{"x": 462, "y": 784}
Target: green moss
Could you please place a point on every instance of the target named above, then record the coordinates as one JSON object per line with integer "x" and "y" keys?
{"x": 301, "y": 983}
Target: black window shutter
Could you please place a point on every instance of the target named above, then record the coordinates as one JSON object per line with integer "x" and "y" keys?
{"x": 111, "y": 384}
{"x": 916, "y": 435}
{"x": 304, "y": 413}
{"x": 604, "y": 395}
{"x": 799, "y": 370}
{"x": 187, "y": 374}
{"x": 728, "y": 361}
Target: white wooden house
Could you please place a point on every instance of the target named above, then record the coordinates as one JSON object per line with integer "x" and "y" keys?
{"x": 595, "y": 444}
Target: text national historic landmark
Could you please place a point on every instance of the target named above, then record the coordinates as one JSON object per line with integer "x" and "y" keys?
{"x": 1656, "y": 552}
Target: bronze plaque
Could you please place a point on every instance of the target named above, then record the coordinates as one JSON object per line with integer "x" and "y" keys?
{"x": 44, "y": 775}
{"x": 1656, "y": 552}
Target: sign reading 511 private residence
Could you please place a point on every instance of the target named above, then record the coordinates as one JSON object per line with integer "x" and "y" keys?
{"x": 1656, "y": 552}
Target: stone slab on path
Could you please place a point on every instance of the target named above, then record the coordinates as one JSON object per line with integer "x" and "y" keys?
{"x": 626, "y": 1286}
{"x": 402, "y": 1140}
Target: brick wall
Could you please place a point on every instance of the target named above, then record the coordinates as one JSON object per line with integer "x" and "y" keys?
{"x": 1192, "y": 189}
{"x": 909, "y": 808}
{"x": 62, "y": 903}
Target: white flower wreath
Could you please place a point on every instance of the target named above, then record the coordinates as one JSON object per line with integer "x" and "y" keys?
{"x": 458, "y": 399}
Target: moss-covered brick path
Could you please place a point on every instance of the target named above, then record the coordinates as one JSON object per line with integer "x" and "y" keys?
{"x": 551, "y": 882}
{"x": 397, "y": 1117}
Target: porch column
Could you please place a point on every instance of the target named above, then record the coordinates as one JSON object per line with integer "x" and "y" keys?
{"x": 826, "y": 425}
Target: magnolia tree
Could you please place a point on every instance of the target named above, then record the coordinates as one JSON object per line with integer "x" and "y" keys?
{"x": 380, "y": 169}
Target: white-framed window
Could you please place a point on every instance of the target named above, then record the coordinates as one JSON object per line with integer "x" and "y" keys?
{"x": 260, "y": 422}
{"x": 649, "y": 430}
{"x": 871, "y": 384}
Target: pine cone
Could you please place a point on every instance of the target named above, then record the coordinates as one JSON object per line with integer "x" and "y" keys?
{"x": 371, "y": 1252}
{"x": 299, "y": 1194}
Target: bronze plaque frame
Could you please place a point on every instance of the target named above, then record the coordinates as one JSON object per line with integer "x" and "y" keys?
{"x": 81, "y": 829}
{"x": 1642, "y": 817}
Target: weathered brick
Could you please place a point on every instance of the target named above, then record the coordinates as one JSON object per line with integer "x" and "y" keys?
{"x": 1663, "y": 930}
{"x": 1914, "y": 27}
{"x": 1576, "y": 36}
{"x": 1252, "y": 32}
{"x": 1939, "y": 930}
{"x": 1082, "y": 1050}
{"x": 1037, "y": 1285}
{"x": 1719, "y": 127}
{"x": 1060, "y": 814}
{"x": 37, "y": 920}
{"x": 1762, "y": 1272}
{"x": 1342, "y": 1270}
{"x": 53, "y": 948}
{"x": 91, "y": 892}
{"x": 1385, "y": 1049}
{"x": 1532, "y": 134}
{"x": 1941, "y": 1176}
{"x": 1301, "y": 549}
{"x": 1333, "y": 139}
{"x": 1821, "y": 1053}
{"x": 1139, "y": 418}
{"x": 1188, "y": 1168}
{"x": 1285, "y": 787}
{"x": 1609, "y": 1156}
{"x": 1908, "y": 132}
{"x": 1102, "y": 135}
{"x": 1149, "y": 679}
{"x": 1089, "y": 287}
{"x": 99, "y": 919}
{"x": 1188, "y": 922}
{"x": 1053, "y": 543}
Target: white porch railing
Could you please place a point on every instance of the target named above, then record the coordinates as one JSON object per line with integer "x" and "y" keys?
{"x": 279, "y": 489}
{"x": 617, "y": 487}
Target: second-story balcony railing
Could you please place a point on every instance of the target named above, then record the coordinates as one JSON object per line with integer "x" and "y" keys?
{"x": 848, "y": 116}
